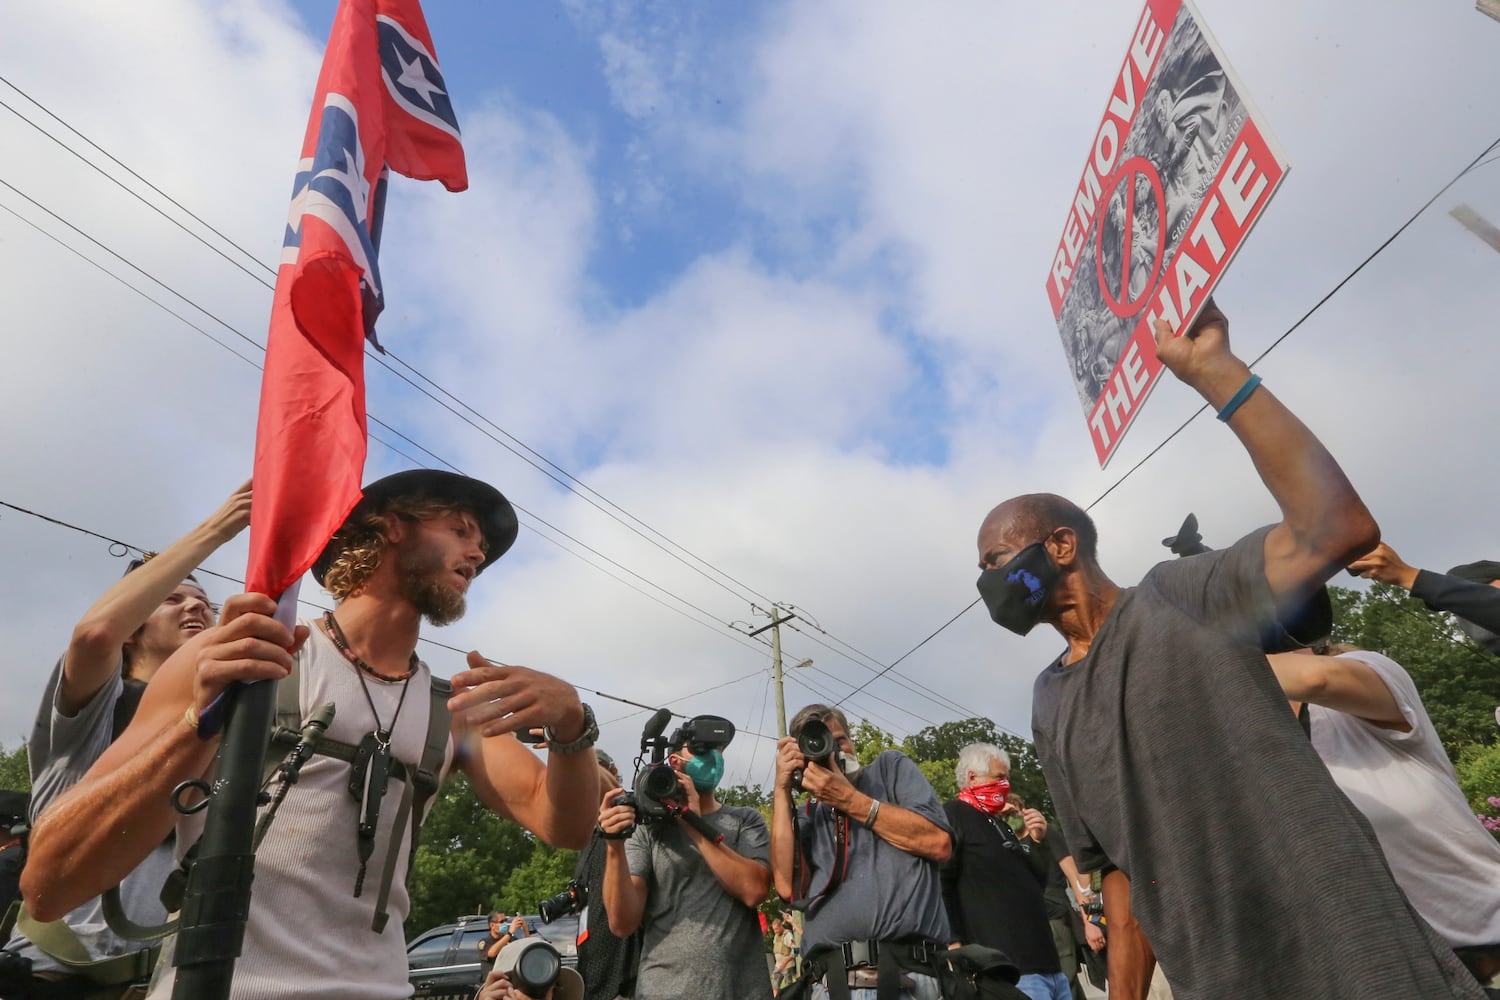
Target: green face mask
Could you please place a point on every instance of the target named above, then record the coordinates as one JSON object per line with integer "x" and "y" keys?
{"x": 705, "y": 769}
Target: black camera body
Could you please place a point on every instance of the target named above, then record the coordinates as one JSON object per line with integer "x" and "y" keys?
{"x": 573, "y": 898}
{"x": 655, "y": 794}
{"x": 1093, "y": 908}
{"x": 815, "y": 742}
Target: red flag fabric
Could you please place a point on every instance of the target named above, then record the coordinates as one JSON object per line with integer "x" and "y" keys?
{"x": 380, "y": 99}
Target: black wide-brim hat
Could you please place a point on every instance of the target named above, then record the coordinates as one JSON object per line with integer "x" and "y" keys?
{"x": 496, "y": 517}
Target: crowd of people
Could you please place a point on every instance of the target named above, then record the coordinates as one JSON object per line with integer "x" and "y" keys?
{"x": 1242, "y": 808}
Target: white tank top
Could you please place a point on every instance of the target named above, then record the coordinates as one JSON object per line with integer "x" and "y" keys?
{"x": 308, "y": 936}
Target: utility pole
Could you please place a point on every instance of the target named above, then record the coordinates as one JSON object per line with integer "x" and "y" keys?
{"x": 776, "y": 672}
{"x": 775, "y": 629}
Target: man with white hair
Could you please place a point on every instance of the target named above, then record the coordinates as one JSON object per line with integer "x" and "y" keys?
{"x": 994, "y": 881}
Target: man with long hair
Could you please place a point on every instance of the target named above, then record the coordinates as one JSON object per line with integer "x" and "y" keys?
{"x": 317, "y": 927}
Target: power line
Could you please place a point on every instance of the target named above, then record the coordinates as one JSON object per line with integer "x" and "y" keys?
{"x": 765, "y": 698}
{"x": 1305, "y": 316}
{"x": 372, "y": 418}
{"x": 535, "y": 461}
{"x": 1476, "y": 162}
{"x": 135, "y": 194}
{"x": 901, "y": 680}
{"x": 567, "y": 483}
{"x": 130, "y": 547}
{"x": 933, "y": 635}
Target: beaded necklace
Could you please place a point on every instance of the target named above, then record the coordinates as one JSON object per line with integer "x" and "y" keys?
{"x": 341, "y": 643}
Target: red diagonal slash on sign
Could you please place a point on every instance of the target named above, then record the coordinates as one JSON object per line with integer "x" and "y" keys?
{"x": 1125, "y": 181}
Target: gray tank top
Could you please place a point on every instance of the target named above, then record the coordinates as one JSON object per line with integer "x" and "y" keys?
{"x": 308, "y": 936}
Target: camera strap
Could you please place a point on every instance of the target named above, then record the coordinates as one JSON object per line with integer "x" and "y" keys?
{"x": 840, "y": 867}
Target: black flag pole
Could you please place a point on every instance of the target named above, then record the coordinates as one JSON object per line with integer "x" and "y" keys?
{"x": 216, "y": 903}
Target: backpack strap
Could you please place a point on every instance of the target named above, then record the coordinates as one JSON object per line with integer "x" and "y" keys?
{"x": 125, "y": 706}
{"x": 416, "y": 792}
{"x": 287, "y": 728}
{"x": 58, "y": 941}
{"x": 8, "y": 922}
{"x": 420, "y": 783}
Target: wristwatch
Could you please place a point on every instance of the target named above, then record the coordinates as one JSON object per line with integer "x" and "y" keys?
{"x": 585, "y": 739}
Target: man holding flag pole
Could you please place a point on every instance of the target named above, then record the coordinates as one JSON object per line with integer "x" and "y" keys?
{"x": 331, "y": 869}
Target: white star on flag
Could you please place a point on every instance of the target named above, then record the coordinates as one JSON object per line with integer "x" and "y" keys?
{"x": 414, "y": 77}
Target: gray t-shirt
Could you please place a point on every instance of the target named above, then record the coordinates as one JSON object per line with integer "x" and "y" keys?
{"x": 1171, "y": 755}
{"x": 61, "y": 750}
{"x": 698, "y": 940}
{"x": 887, "y": 894}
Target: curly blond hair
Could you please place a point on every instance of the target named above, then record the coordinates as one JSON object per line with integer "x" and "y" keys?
{"x": 361, "y": 542}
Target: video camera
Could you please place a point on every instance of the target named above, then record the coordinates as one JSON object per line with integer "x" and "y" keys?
{"x": 655, "y": 793}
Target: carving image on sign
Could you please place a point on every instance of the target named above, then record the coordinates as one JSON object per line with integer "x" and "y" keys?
{"x": 1178, "y": 172}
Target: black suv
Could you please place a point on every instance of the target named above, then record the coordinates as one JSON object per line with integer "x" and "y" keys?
{"x": 444, "y": 961}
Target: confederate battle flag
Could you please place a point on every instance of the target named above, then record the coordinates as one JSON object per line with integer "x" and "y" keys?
{"x": 380, "y": 104}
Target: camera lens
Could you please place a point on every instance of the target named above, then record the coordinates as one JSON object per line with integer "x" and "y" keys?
{"x": 537, "y": 969}
{"x": 660, "y": 782}
{"x": 815, "y": 740}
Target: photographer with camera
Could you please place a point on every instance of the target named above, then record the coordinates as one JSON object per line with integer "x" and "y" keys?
{"x": 606, "y": 962}
{"x": 862, "y": 861}
{"x": 691, "y": 874}
{"x": 502, "y": 933}
{"x": 530, "y": 969}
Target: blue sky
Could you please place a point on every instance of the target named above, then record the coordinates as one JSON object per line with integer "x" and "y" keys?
{"x": 769, "y": 276}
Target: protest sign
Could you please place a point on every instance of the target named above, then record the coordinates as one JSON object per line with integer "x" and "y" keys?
{"x": 1179, "y": 170}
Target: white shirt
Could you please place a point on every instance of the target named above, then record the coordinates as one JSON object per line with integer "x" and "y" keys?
{"x": 1444, "y": 860}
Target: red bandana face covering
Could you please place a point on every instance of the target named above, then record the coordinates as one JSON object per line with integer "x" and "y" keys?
{"x": 987, "y": 798}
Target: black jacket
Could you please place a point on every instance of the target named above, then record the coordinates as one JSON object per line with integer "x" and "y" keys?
{"x": 992, "y": 887}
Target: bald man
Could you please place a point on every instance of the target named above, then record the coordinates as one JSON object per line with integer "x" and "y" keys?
{"x": 1166, "y": 741}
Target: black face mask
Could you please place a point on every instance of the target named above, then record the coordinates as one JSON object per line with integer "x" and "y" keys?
{"x": 1016, "y": 593}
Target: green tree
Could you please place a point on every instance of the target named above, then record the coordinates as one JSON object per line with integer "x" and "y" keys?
{"x": 466, "y": 855}
{"x": 543, "y": 875}
{"x": 943, "y": 742}
{"x": 15, "y": 771}
{"x": 940, "y": 745}
{"x": 755, "y": 796}
{"x": 870, "y": 741}
{"x": 1478, "y": 769}
{"x": 1459, "y": 682}
{"x": 940, "y": 774}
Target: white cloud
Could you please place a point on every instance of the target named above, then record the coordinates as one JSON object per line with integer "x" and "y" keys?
{"x": 904, "y": 175}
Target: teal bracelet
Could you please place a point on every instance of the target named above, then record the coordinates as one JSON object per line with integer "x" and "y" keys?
{"x": 1238, "y": 399}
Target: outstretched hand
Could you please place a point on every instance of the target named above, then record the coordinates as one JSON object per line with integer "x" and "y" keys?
{"x": 233, "y": 515}
{"x": 1384, "y": 565}
{"x": 497, "y": 699}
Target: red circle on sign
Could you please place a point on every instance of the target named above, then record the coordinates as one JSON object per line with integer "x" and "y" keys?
{"x": 1124, "y": 306}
